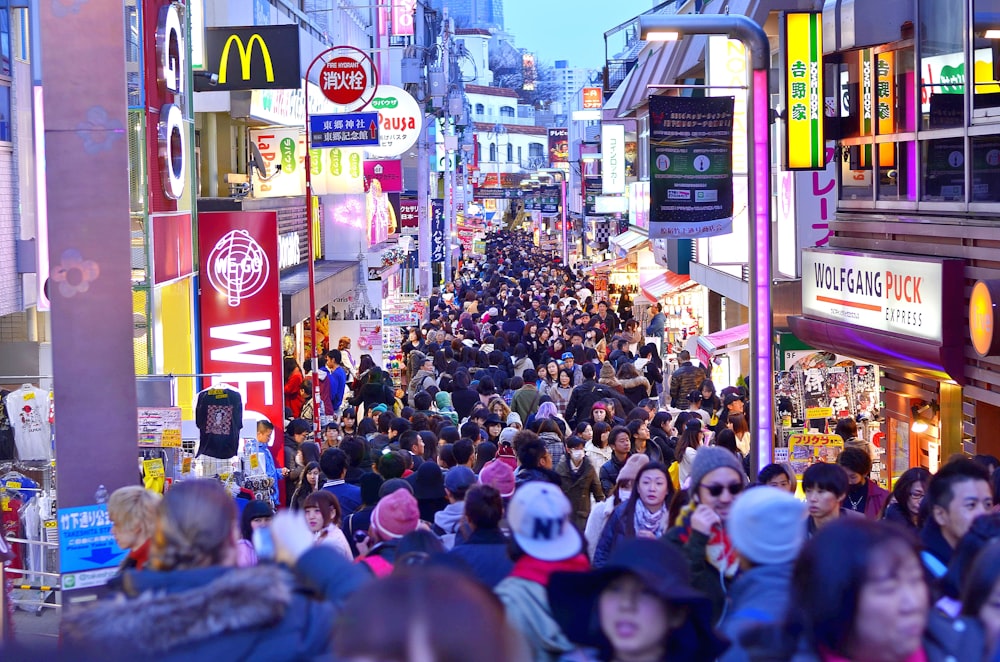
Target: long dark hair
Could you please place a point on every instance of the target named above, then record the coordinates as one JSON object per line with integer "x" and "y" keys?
{"x": 901, "y": 494}
{"x": 689, "y": 438}
{"x": 982, "y": 577}
{"x": 628, "y": 511}
{"x": 304, "y": 487}
{"x": 599, "y": 429}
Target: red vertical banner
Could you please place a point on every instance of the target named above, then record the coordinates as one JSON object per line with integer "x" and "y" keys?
{"x": 241, "y": 310}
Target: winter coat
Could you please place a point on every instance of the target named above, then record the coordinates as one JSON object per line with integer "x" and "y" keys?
{"x": 875, "y": 501}
{"x": 759, "y": 596}
{"x": 218, "y": 613}
{"x": 598, "y": 456}
{"x": 464, "y": 400}
{"x": 636, "y": 388}
{"x": 543, "y": 475}
{"x": 688, "y": 377}
{"x": 579, "y": 489}
{"x": 373, "y": 394}
{"x": 554, "y": 444}
{"x": 704, "y": 576}
{"x": 609, "y": 473}
{"x": 485, "y": 552}
{"x": 525, "y": 401}
{"x": 599, "y": 516}
{"x": 420, "y": 382}
{"x": 527, "y": 606}
{"x": 583, "y": 397}
{"x": 612, "y": 533}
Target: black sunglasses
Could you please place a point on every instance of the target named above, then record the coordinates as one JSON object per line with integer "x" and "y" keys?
{"x": 716, "y": 490}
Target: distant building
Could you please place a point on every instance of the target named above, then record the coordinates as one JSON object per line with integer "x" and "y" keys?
{"x": 486, "y": 14}
{"x": 569, "y": 81}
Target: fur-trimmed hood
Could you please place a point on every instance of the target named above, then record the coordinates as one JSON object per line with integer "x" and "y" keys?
{"x": 635, "y": 382}
{"x": 164, "y": 612}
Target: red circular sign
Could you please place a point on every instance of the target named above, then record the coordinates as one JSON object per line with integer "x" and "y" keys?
{"x": 343, "y": 80}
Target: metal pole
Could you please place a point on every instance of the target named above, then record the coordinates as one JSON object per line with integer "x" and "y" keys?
{"x": 565, "y": 236}
{"x": 423, "y": 182}
{"x": 312, "y": 268}
{"x": 759, "y": 201}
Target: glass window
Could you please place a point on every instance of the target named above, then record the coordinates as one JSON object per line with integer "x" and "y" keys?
{"x": 510, "y": 153}
{"x": 4, "y": 113}
{"x": 4, "y": 43}
{"x": 493, "y": 152}
{"x": 536, "y": 150}
{"x": 986, "y": 57}
{"x": 855, "y": 179}
{"x": 480, "y": 109}
{"x": 506, "y": 111}
{"x": 520, "y": 157}
{"x": 944, "y": 170}
{"x": 894, "y": 79}
{"x": 942, "y": 63}
{"x": 897, "y": 174}
{"x": 986, "y": 169}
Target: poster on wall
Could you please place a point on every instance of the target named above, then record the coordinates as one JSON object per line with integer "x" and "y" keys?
{"x": 370, "y": 337}
{"x": 409, "y": 215}
{"x": 284, "y": 147}
{"x": 691, "y": 167}
{"x": 558, "y": 146}
{"x": 381, "y": 218}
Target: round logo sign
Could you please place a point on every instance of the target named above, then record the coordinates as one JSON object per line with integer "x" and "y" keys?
{"x": 400, "y": 121}
{"x": 237, "y": 267}
{"x": 348, "y": 78}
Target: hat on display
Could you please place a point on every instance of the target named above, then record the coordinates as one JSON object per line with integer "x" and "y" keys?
{"x": 661, "y": 569}
{"x": 766, "y": 525}
{"x": 632, "y": 466}
{"x": 539, "y": 516}
{"x": 710, "y": 458}
{"x": 396, "y": 514}
{"x": 459, "y": 479}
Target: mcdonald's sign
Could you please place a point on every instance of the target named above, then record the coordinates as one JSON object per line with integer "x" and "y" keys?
{"x": 254, "y": 58}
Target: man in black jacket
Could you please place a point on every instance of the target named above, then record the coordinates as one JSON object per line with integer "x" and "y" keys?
{"x": 583, "y": 397}
{"x": 688, "y": 377}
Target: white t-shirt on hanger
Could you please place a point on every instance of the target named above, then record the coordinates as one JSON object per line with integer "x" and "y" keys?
{"x": 28, "y": 408}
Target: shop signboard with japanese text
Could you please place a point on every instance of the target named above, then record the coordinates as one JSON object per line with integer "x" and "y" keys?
{"x": 877, "y": 292}
{"x": 284, "y": 147}
{"x": 345, "y": 130}
{"x": 409, "y": 215}
{"x": 691, "y": 167}
{"x": 389, "y": 173}
{"x": 613, "y": 158}
{"x": 400, "y": 121}
{"x": 558, "y": 146}
{"x": 438, "y": 239}
{"x": 802, "y": 90}
{"x": 241, "y": 308}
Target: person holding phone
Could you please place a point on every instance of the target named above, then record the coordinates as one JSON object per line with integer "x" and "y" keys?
{"x": 717, "y": 479}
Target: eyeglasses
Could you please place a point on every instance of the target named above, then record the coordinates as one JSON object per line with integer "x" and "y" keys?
{"x": 716, "y": 490}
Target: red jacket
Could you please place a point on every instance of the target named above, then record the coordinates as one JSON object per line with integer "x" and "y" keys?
{"x": 875, "y": 501}
{"x": 293, "y": 395}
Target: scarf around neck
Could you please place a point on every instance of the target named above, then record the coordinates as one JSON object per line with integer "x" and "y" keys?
{"x": 654, "y": 522}
{"x": 719, "y": 551}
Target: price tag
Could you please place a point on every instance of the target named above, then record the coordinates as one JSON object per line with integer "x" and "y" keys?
{"x": 171, "y": 439}
{"x": 153, "y": 468}
{"x": 29, "y": 396}
{"x": 51, "y": 524}
{"x": 186, "y": 465}
{"x": 12, "y": 484}
{"x": 254, "y": 462}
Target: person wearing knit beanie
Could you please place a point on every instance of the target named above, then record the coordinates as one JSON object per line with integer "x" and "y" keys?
{"x": 395, "y": 515}
{"x": 499, "y": 475}
{"x": 768, "y": 528}
{"x": 632, "y": 466}
{"x": 716, "y": 480}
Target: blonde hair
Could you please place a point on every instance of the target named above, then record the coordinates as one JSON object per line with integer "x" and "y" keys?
{"x": 504, "y": 409}
{"x": 343, "y": 343}
{"x": 195, "y": 527}
{"x": 134, "y": 508}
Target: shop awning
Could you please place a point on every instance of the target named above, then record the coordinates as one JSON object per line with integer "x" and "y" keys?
{"x": 652, "y": 71}
{"x": 663, "y": 284}
{"x": 728, "y": 336}
{"x": 333, "y": 278}
{"x": 628, "y": 240}
{"x": 618, "y": 264}
{"x": 939, "y": 360}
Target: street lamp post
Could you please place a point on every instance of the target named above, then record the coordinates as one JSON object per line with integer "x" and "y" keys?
{"x": 659, "y": 27}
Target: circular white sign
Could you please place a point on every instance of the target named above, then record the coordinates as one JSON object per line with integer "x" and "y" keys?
{"x": 400, "y": 121}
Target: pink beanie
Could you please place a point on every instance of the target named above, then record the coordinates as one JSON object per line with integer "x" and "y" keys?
{"x": 396, "y": 514}
{"x": 632, "y": 466}
{"x": 499, "y": 475}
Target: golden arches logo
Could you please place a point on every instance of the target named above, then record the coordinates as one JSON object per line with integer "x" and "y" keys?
{"x": 245, "y": 53}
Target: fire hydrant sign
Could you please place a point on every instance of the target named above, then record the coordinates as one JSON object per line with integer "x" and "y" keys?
{"x": 347, "y": 130}
{"x": 85, "y": 540}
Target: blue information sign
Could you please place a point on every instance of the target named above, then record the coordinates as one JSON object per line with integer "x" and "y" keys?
{"x": 85, "y": 540}
{"x": 348, "y": 130}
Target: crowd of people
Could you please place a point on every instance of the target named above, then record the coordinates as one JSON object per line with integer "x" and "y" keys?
{"x": 544, "y": 487}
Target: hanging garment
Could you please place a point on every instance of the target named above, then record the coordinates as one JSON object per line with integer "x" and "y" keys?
{"x": 8, "y": 450}
{"x": 219, "y": 417}
{"x": 28, "y": 408}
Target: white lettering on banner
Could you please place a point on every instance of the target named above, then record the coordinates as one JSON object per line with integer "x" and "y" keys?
{"x": 237, "y": 267}
{"x": 880, "y": 293}
{"x": 288, "y": 250}
{"x": 244, "y": 342}
{"x": 241, "y": 379}
{"x": 171, "y": 145}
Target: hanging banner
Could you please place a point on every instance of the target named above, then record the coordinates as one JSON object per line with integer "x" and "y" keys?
{"x": 437, "y": 231}
{"x": 802, "y": 90}
{"x": 691, "y": 166}
{"x": 381, "y": 217}
{"x": 284, "y": 147}
{"x": 613, "y": 158}
{"x": 402, "y": 17}
{"x": 558, "y": 146}
{"x": 337, "y": 170}
{"x": 240, "y": 308}
{"x": 409, "y": 215}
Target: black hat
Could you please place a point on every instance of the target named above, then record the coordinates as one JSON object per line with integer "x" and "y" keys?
{"x": 661, "y": 568}
{"x": 493, "y": 419}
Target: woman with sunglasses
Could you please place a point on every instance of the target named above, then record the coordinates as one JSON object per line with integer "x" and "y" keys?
{"x": 643, "y": 515}
{"x": 717, "y": 479}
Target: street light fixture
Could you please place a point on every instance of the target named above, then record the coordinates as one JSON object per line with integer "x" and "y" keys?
{"x": 742, "y": 28}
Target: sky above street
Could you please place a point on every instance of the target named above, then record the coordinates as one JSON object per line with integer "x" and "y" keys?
{"x": 568, "y": 29}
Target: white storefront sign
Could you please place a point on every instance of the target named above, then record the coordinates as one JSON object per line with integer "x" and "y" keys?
{"x": 400, "y": 121}
{"x": 613, "y": 158}
{"x": 881, "y": 293}
{"x": 288, "y": 250}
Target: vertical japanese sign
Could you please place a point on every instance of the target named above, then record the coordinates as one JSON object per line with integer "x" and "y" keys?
{"x": 402, "y": 17}
{"x": 613, "y": 158}
{"x": 885, "y": 94}
{"x": 691, "y": 167}
{"x": 438, "y": 249}
{"x": 802, "y": 93}
{"x": 240, "y": 308}
{"x": 409, "y": 215}
{"x": 866, "y": 118}
{"x": 558, "y": 146}
{"x": 593, "y": 98}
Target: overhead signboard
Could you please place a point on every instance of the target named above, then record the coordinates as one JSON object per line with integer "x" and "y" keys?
{"x": 400, "y": 121}
{"x": 877, "y": 292}
{"x": 346, "y": 130}
{"x": 558, "y": 146}
{"x": 802, "y": 90}
{"x": 593, "y": 98}
{"x": 284, "y": 147}
{"x": 402, "y": 17}
{"x": 254, "y": 57}
{"x": 613, "y": 158}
